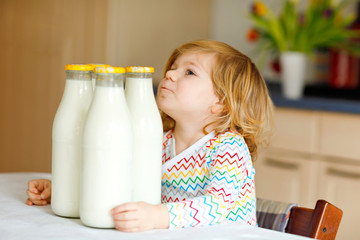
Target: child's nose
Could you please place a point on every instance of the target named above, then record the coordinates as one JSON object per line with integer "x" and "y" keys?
{"x": 171, "y": 75}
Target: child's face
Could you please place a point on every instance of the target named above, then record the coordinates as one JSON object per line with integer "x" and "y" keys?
{"x": 186, "y": 92}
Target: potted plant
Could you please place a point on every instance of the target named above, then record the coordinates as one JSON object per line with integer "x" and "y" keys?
{"x": 293, "y": 34}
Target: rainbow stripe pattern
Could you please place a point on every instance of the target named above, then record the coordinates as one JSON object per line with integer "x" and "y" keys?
{"x": 210, "y": 182}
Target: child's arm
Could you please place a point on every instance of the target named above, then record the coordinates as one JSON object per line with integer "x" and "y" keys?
{"x": 39, "y": 192}
{"x": 140, "y": 216}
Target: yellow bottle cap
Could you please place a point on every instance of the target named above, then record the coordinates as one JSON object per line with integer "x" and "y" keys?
{"x": 138, "y": 69}
{"x": 79, "y": 67}
{"x": 95, "y": 65}
{"x": 109, "y": 69}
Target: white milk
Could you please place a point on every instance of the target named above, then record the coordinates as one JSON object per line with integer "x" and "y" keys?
{"x": 66, "y": 143}
{"x": 148, "y": 134}
{"x": 107, "y": 155}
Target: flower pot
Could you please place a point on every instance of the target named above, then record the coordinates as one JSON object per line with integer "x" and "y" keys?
{"x": 293, "y": 73}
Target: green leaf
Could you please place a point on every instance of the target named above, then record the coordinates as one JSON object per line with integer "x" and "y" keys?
{"x": 284, "y": 32}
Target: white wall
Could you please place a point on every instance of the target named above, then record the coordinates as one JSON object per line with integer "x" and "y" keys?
{"x": 230, "y": 23}
{"x": 144, "y": 32}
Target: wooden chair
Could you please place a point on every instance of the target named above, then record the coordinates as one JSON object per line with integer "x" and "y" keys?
{"x": 322, "y": 222}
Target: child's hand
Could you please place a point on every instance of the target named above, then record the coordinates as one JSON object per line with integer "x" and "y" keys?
{"x": 140, "y": 216}
{"x": 39, "y": 192}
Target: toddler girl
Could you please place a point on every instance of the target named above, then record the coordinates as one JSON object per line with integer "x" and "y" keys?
{"x": 216, "y": 110}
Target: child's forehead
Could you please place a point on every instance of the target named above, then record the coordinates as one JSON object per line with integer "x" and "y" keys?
{"x": 195, "y": 56}
{"x": 201, "y": 61}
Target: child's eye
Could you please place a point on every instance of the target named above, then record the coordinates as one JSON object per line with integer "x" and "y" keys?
{"x": 189, "y": 72}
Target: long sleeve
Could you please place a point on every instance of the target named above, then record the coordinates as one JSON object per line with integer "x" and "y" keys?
{"x": 228, "y": 184}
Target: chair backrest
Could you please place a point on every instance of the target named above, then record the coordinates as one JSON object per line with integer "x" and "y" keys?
{"x": 322, "y": 222}
{"x": 272, "y": 214}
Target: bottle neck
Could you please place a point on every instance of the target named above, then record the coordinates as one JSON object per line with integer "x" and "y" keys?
{"x": 110, "y": 80}
{"x": 78, "y": 75}
{"x": 78, "y": 85}
{"x": 138, "y": 75}
{"x": 139, "y": 87}
{"x": 139, "y": 82}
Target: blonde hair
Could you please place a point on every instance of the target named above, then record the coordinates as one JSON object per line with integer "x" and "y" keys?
{"x": 241, "y": 89}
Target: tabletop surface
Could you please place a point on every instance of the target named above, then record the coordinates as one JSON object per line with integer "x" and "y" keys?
{"x": 19, "y": 221}
{"x": 332, "y": 101}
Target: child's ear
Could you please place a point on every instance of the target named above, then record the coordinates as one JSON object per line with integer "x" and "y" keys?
{"x": 217, "y": 108}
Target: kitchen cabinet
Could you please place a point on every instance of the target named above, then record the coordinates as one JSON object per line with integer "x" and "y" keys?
{"x": 340, "y": 184}
{"x": 295, "y": 130}
{"x": 313, "y": 155}
{"x": 285, "y": 176}
{"x": 340, "y": 134}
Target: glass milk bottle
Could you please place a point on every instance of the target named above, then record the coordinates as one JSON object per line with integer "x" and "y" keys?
{"x": 93, "y": 74}
{"x": 67, "y": 140}
{"x": 107, "y": 150}
{"x": 148, "y": 134}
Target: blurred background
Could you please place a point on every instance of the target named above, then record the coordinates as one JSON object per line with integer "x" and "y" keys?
{"x": 315, "y": 151}
{"x": 40, "y": 37}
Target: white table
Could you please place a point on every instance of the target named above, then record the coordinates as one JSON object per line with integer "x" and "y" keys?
{"x": 19, "y": 221}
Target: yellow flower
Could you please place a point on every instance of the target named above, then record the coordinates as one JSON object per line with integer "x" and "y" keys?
{"x": 259, "y": 9}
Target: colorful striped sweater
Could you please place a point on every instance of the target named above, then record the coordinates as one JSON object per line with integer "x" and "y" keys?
{"x": 210, "y": 182}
